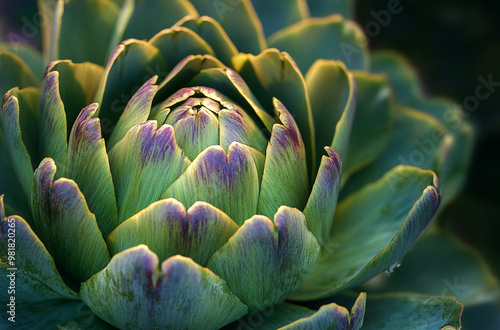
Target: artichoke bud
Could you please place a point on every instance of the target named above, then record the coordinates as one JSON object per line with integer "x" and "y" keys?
{"x": 202, "y": 117}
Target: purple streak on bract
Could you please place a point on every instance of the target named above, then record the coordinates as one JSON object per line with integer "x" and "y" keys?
{"x": 156, "y": 144}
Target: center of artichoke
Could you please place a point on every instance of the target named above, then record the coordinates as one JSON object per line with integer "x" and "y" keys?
{"x": 202, "y": 117}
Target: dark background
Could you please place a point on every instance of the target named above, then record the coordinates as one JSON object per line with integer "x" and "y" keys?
{"x": 451, "y": 44}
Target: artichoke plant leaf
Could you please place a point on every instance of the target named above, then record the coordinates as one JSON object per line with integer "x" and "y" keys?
{"x": 372, "y": 124}
{"x": 136, "y": 112}
{"x": 178, "y": 42}
{"x": 15, "y": 73}
{"x": 50, "y": 314}
{"x": 285, "y": 180}
{"x": 182, "y": 294}
{"x": 410, "y": 311}
{"x": 196, "y": 233}
{"x": 151, "y": 16}
{"x": 15, "y": 200}
{"x": 143, "y": 164}
{"x": 77, "y": 86}
{"x": 272, "y": 74}
{"x": 32, "y": 261}
{"x": 53, "y": 123}
{"x": 64, "y": 223}
{"x": 93, "y": 35}
{"x": 212, "y": 32}
{"x": 230, "y": 83}
{"x": 17, "y": 109}
{"x": 131, "y": 64}
{"x": 334, "y": 38}
{"x": 277, "y": 257}
{"x": 437, "y": 264}
{"x": 239, "y": 20}
{"x": 333, "y": 316}
{"x": 417, "y": 139}
{"x": 181, "y": 75}
{"x": 28, "y": 101}
{"x": 365, "y": 241}
{"x": 88, "y": 165}
{"x": 322, "y": 201}
{"x": 322, "y": 8}
{"x": 332, "y": 91}
{"x": 290, "y": 12}
{"x": 229, "y": 182}
{"x": 28, "y": 54}
{"x": 407, "y": 89}
{"x": 291, "y": 316}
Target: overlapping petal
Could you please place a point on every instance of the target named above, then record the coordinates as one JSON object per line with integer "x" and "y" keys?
{"x": 181, "y": 294}
{"x": 365, "y": 241}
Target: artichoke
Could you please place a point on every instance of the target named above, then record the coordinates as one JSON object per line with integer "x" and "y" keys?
{"x": 254, "y": 162}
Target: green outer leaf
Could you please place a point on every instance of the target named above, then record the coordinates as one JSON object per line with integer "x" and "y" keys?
{"x": 88, "y": 166}
{"x": 136, "y": 111}
{"x": 93, "y": 35}
{"x": 228, "y": 181}
{"x": 272, "y": 74}
{"x": 27, "y": 290}
{"x": 47, "y": 20}
{"x": 455, "y": 158}
{"x": 32, "y": 260}
{"x": 52, "y": 124}
{"x": 396, "y": 209}
{"x": 239, "y": 20}
{"x": 143, "y": 164}
{"x": 412, "y": 311}
{"x": 29, "y": 55}
{"x": 333, "y": 316}
{"x": 178, "y": 42}
{"x": 262, "y": 263}
{"x": 21, "y": 160}
{"x": 212, "y": 32}
{"x": 401, "y": 75}
{"x": 417, "y": 139}
{"x": 48, "y": 315}
{"x": 29, "y": 99}
{"x": 439, "y": 263}
{"x": 181, "y": 75}
{"x": 16, "y": 201}
{"x": 78, "y": 83}
{"x": 290, "y": 316}
{"x": 64, "y": 223}
{"x": 150, "y": 16}
{"x": 334, "y": 38}
{"x": 132, "y": 293}
{"x": 168, "y": 229}
{"x": 271, "y": 318}
{"x": 322, "y": 201}
{"x": 322, "y": 8}
{"x": 130, "y": 65}
{"x": 15, "y": 73}
{"x": 126, "y": 11}
{"x": 332, "y": 91}
{"x": 285, "y": 178}
{"x": 371, "y": 128}
{"x": 290, "y": 12}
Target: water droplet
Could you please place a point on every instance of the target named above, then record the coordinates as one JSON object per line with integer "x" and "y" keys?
{"x": 392, "y": 267}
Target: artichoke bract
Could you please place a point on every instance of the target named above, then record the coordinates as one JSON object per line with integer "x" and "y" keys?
{"x": 186, "y": 184}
